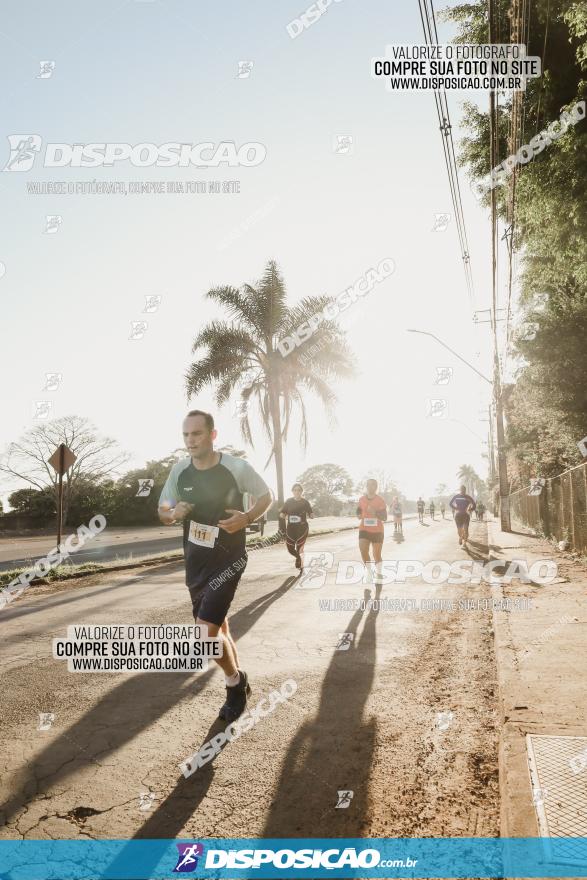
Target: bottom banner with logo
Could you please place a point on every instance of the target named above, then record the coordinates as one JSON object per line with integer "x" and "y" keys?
{"x": 293, "y": 857}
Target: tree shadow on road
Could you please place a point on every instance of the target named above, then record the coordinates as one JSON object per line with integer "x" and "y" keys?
{"x": 333, "y": 750}
{"x": 120, "y": 716}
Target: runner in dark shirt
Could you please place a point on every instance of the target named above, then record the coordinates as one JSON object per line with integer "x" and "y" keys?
{"x": 294, "y": 516}
{"x": 205, "y": 491}
{"x": 461, "y": 505}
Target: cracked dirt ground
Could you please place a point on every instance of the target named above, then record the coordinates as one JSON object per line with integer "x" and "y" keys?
{"x": 364, "y": 720}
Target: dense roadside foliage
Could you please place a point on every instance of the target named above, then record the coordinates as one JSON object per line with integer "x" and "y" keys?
{"x": 546, "y": 407}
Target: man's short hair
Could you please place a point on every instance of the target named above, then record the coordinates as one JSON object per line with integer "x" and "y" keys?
{"x": 206, "y": 416}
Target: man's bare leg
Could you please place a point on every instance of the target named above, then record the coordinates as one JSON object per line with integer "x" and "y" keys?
{"x": 228, "y": 661}
{"x": 225, "y": 629}
{"x": 237, "y": 682}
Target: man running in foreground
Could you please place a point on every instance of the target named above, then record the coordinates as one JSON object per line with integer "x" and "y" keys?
{"x": 206, "y": 492}
{"x": 462, "y": 504}
{"x": 372, "y": 511}
{"x": 420, "y": 506}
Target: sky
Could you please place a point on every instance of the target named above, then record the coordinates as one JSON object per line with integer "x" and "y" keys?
{"x": 158, "y": 72}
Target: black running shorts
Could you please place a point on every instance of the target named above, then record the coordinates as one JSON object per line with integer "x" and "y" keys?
{"x": 373, "y": 537}
{"x": 212, "y": 591}
{"x": 462, "y": 519}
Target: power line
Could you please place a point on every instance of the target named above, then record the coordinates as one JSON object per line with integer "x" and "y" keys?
{"x": 428, "y": 19}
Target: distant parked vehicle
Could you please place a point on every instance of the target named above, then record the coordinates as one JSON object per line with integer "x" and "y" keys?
{"x": 257, "y": 527}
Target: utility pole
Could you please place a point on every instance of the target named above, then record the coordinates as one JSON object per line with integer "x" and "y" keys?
{"x": 504, "y": 501}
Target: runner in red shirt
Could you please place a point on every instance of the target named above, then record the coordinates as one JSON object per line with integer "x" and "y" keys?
{"x": 372, "y": 511}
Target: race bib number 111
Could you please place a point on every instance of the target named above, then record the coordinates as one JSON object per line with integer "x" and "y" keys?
{"x": 203, "y": 535}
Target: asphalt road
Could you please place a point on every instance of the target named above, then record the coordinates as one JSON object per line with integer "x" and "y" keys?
{"x": 121, "y": 544}
{"x": 404, "y": 719}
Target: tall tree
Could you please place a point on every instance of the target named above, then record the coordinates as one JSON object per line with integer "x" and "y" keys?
{"x": 28, "y": 458}
{"x": 546, "y": 406}
{"x": 243, "y": 355}
{"x": 322, "y": 480}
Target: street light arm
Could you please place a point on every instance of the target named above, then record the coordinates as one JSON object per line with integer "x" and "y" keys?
{"x": 452, "y": 351}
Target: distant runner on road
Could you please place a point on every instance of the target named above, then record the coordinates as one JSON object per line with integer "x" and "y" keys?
{"x": 442, "y": 508}
{"x": 294, "y": 514}
{"x": 205, "y": 491}
{"x": 420, "y": 507}
{"x": 462, "y": 504}
{"x": 432, "y": 509}
{"x": 372, "y": 511}
{"x": 480, "y": 511}
{"x": 396, "y": 512}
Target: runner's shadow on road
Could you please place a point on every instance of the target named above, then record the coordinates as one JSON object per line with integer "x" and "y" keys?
{"x": 333, "y": 750}
{"x": 476, "y": 555}
{"x": 120, "y": 716}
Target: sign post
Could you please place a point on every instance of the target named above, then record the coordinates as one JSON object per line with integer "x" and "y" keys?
{"x": 61, "y": 461}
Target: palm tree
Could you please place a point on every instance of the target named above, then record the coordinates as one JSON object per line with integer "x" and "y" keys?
{"x": 242, "y": 355}
{"x": 467, "y": 475}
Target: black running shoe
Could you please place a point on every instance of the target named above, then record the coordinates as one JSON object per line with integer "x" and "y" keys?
{"x": 236, "y": 699}
{"x": 298, "y": 562}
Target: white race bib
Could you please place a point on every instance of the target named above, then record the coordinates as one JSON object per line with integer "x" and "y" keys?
{"x": 202, "y": 535}
{"x": 295, "y": 519}
{"x": 370, "y": 521}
